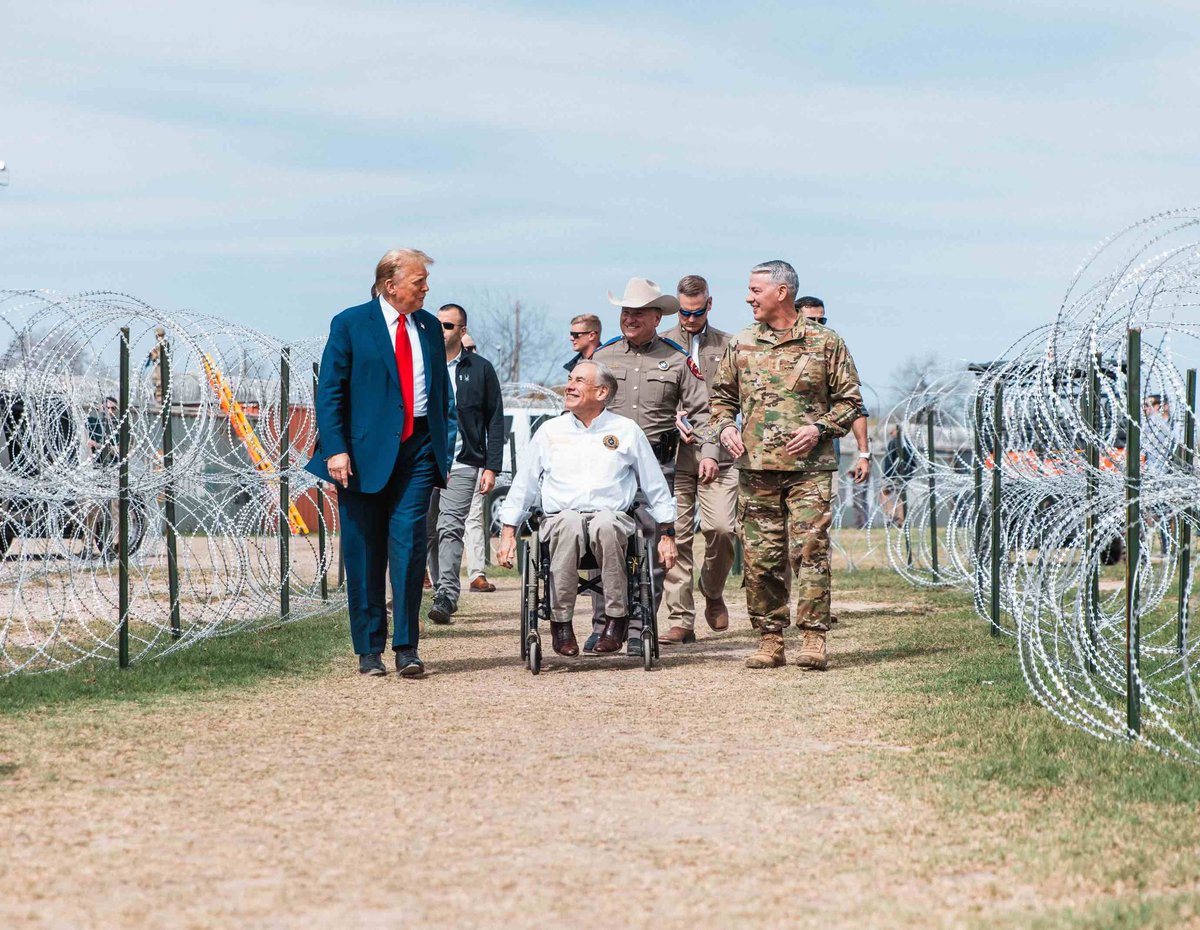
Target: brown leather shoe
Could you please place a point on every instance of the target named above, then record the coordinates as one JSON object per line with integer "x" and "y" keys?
{"x": 613, "y": 636}
{"x": 482, "y": 585}
{"x": 716, "y": 613}
{"x": 563, "y": 639}
{"x": 677, "y": 636}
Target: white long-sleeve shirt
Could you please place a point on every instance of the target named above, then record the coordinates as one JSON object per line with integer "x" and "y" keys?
{"x": 391, "y": 316}
{"x": 588, "y": 468}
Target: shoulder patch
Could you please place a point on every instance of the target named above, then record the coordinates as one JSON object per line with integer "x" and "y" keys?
{"x": 694, "y": 368}
{"x": 673, "y": 344}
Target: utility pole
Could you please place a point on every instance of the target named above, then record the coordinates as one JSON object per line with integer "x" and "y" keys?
{"x": 516, "y": 353}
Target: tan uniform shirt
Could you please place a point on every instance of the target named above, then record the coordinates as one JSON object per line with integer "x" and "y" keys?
{"x": 653, "y": 382}
{"x": 712, "y": 347}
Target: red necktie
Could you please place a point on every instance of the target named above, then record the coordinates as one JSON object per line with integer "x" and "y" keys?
{"x": 404, "y": 368}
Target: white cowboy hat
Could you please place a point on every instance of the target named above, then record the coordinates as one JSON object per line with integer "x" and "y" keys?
{"x": 644, "y": 294}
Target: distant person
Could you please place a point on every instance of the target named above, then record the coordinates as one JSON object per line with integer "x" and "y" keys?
{"x": 103, "y": 433}
{"x": 813, "y": 308}
{"x": 899, "y": 464}
{"x": 473, "y": 538}
{"x": 585, "y": 339}
{"x": 716, "y": 501}
{"x": 385, "y": 422}
{"x": 477, "y": 459}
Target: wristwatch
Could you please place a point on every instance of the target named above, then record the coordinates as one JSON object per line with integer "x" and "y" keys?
{"x": 864, "y": 455}
{"x": 822, "y": 430}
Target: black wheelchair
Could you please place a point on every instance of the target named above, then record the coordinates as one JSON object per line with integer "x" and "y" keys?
{"x": 535, "y": 591}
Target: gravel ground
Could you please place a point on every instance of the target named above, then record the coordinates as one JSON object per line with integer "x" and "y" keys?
{"x": 700, "y": 794}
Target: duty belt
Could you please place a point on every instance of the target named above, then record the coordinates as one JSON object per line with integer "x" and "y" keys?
{"x": 665, "y": 447}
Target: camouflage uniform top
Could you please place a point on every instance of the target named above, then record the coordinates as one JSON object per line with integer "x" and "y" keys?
{"x": 780, "y": 382}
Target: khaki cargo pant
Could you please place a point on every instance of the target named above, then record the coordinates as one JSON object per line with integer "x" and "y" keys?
{"x": 785, "y": 517}
{"x": 607, "y": 533}
{"x": 718, "y": 519}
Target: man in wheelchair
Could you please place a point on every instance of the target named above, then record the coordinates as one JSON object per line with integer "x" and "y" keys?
{"x": 588, "y": 465}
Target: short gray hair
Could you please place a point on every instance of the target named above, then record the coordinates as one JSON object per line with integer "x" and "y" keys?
{"x": 781, "y": 273}
{"x": 604, "y": 378}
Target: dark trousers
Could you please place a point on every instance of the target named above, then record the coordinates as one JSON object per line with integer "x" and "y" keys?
{"x": 384, "y": 534}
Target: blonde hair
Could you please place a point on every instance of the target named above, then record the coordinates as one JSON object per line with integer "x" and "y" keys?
{"x": 587, "y": 319}
{"x": 393, "y": 261}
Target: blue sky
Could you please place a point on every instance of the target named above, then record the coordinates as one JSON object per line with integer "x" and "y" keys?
{"x": 935, "y": 171}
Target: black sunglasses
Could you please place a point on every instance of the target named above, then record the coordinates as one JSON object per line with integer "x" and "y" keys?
{"x": 449, "y": 326}
{"x": 581, "y": 335}
{"x": 821, "y": 320}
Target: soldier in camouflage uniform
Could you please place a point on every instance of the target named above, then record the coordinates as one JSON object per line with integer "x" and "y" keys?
{"x": 796, "y": 388}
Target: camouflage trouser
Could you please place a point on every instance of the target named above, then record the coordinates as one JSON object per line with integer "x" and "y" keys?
{"x": 785, "y": 517}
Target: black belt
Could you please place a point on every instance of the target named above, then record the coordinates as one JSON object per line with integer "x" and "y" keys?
{"x": 665, "y": 447}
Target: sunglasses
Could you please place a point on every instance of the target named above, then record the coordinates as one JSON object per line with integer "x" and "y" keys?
{"x": 820, "y": 320}
{"x": 449, "y": 326}
{"x": 691, "y": 313}
{"x": 582, "y": 334}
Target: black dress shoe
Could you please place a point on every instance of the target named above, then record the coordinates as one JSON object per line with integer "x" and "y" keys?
{"x": 563, "y": 639}
{"x": 613, "y": 636}
{"x": 589, "y": 644}
{"x": 371, "y": 664}
{"x": 441, "y": 611}
{"x": 633, "y": 648}
{"x": 409, "y": 664}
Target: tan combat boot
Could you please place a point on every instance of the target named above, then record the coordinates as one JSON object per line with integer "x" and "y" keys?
{"x": 812, "y": 651}
{"x": 770, "y": 652}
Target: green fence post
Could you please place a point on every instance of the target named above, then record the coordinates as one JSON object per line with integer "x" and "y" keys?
{"x": 1133, "y": 519}
{"x": 997, "y": 460}
{"x": 123, "y": 507}
{"x": 977, "y": 475}
{"x": 905, "y": 531}
{"x": 285, "y": 526}
{"x": 164, "y": 378}
{"x": 487, "y": 529}
{"x": 1187, "y": 456}
{"x": 320, "y": 513}
{"x": 1091, "y": 594}
{"x": 933, "y": 522}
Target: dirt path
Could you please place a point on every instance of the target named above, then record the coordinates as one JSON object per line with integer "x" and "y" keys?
{"x": 598, "y": 795}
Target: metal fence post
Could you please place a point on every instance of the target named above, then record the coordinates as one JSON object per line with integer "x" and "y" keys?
{"x": 977, "y": 474}
{"x": 123, "y": 507}
{"x": 487, "y": 529}
{"x": 997, "y": 460}
{"x": 168, "y": 440}
{"x": 320, "y": 513}
{"x": 1091, "y": 600}
{"x": 1187, "y": 457}
{"x": 906, "y": 463}
{"x": 285, "y": 527}
{"x": 933, "y": 523}
{"x": 1133, "y": 518}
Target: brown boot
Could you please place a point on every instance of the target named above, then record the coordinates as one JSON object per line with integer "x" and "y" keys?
{"x": 613, "y": 637}
{"x": 677, "y": 636}
{"x": 770, "y": 652}
{"x": 563, "y": 639}
{"x": 812, "y": 651}
{"x": 716, "y": 613}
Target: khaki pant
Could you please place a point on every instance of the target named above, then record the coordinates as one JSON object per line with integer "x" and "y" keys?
{"x": 718, "y": 523}
{"x": 608, "y": 534}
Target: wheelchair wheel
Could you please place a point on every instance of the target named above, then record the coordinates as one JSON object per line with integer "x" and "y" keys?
{"x": 535, "y": 656}
{"x": 645, "y": 600}
{"x": 529, "y": 599}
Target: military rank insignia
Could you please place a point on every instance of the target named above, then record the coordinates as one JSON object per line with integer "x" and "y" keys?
{"x": 611, "y": 441}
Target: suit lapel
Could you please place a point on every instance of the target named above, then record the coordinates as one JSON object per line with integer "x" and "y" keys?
{"x": 421, "y": 319}
{"x": 383, "y": 341}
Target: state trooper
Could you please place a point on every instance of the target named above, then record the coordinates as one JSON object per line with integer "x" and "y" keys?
{"x": 656, "y": 378}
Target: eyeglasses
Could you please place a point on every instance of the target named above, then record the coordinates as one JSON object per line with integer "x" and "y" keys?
{"x": 821, "y": 320}
{"x": 691, "y": 313}
{"x": 582, "y": 334}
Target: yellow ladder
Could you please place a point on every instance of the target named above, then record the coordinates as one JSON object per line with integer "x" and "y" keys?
{"x": 245, "y": 432}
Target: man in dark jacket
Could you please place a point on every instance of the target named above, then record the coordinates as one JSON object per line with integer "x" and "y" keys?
{"x": 477, "y": 458}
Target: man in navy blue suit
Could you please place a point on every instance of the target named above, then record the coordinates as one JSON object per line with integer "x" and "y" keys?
{"x": 386, "y": 424}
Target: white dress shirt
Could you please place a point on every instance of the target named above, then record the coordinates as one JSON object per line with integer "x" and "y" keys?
{"x": 695, "y": 346}
{"x": 391, "y": 316}
{"x": 588, "y": 468}
{"x": 452, "y": 367}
